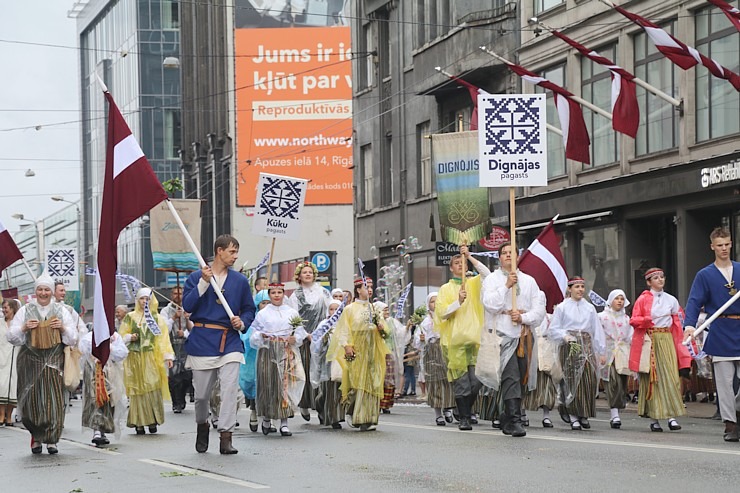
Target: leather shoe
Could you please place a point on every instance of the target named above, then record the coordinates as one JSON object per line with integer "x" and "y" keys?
{"x": 226, "y": 448}
{"x": 731, "y": 432}
{"x": 201, "y": 438}
{"x": 585, "y": 424}
{"x": 285, "y": 431}
{"x": 673, "y": 425}
{"x": 547, "y": 423}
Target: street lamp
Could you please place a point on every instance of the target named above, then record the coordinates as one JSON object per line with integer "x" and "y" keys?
{"x": 39, "y": 237}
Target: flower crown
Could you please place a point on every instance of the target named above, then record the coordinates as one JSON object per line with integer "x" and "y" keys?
{"x": 301, "y": 266}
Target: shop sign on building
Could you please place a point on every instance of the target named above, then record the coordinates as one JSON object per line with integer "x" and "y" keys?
{"x": 720, "y": 174}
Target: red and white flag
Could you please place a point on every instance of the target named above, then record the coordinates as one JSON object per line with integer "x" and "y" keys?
{"x": 625, "y": 110}
{"x": 473, "y": 91}
{"x": 543, "y": 260}
{"x": 130, "y": 190}
{"x": 9, "y": 252}
{"x": 575, "y": 134}
{"x": 679, "y": 53}
{"x": 732, "y": 13}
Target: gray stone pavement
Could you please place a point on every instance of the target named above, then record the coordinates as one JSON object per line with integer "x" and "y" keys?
{"x": 408, "y": 452}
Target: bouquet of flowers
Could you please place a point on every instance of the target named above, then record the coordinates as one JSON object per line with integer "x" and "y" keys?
{"x": 419, "y": 314}
{"x": 376, "y": 319}
{"x": 296, "y": 322}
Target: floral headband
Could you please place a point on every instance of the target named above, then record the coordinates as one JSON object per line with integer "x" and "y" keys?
{"x": 301, "y": 266}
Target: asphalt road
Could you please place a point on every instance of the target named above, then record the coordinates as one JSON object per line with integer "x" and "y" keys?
{"x": 408, "y": 452}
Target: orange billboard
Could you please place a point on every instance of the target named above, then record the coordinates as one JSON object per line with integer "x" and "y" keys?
{"x": 294, "y": 110}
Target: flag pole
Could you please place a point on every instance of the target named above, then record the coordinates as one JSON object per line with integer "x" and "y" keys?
{"x": 648, "y": 87}
{"x": 551, "y": 128}
{"x": 575, "y": 98}
{"x": 201, "y": 261}
{"x": 714, "y": 315}
{"x": 269, "y": 263}
{"x": 28, "y": 267}
{"x": 512, "y": 233}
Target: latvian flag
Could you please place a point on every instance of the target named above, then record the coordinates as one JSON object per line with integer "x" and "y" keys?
{"x": 575, "y": 134}
{"x": 732, "y": 13}
{"x": 543, "y": 260}
{"x": 473, "y": 91}
{"x": 625, "y": 110}
{"x": 130, "y": 190}
{"x": 9, "y": 252}
{"x": 679, "y": 53}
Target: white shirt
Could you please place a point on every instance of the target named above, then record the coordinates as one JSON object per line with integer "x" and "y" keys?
{"x": 497, "y": 303}
{"x": 69, "y": 333}
{"x": 313, "y": 294}
{"x": 274, "y": 321}
{"x": 571, "y": 317}
{"x": 664, "y": 307}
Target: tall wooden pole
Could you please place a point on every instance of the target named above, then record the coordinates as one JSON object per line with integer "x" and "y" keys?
{"x": 269, "y": 262}
{"x": 512, "y": 232}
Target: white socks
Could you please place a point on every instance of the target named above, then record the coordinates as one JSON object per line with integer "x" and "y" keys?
{"x": 437, "y": 412}
{"x": 614, "y": 413}
{"x": 284, "y": 422}
{"x": 545, "y": 413}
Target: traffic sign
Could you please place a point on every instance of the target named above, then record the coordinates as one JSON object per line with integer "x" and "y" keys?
{"x": 322, "y": 261}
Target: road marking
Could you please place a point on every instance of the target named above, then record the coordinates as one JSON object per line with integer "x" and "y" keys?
{"x": 72, "y": 442}
{"x": 205, "y": 474}
{"x": 594, "y": 441}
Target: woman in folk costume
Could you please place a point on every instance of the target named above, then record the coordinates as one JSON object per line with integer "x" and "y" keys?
{"x": 103, "y": 389}
{"x": 359, "y": 347}
{"x": 248, "y": 369}
{"x": 311, "y": 301}
{"x": 42, "y": 328}
{"x": 327, "y": 375}
{"x": 278, "y": 334}
{"x": 576, "y": 327}
{"x": 440, "y": 396}
{"x": 145, "y": 369}
{"x": 618, "y": 332}
{"x": 545, "y": 395}
{"x": 656, "y": 315}
{"x": 8, "y": 371}
{"x": 397, "y": 340}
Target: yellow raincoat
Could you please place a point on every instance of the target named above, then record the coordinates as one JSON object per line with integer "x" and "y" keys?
{"x": 364, "y": 376}
{"x": 460, "y": 333}
{"x": 145, "y": 374}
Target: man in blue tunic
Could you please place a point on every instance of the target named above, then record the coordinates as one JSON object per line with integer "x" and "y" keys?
{"x": 713, "y": 286}
{"x": 214, "y": 347}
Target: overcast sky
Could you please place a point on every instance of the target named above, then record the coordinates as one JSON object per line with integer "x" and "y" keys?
{"x": 38, "y": 86}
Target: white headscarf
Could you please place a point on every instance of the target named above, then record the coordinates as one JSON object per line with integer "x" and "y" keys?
{"x": 380, "y": 306}
{"x": 430, "y": 296}
{"x": 336, "y": 291}
{"x": 614, "y": 294}
{"x": 144, "y": 292}
{"x": 44, "y": 280}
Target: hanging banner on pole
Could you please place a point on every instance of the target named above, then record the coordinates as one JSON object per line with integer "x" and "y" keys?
{"x": 463, "y": 205}
{"x": 279, "y": 206}
{"x": 62, "y": 265}
{"x": 170, "y": 249}
{"x": 512, "y": 140}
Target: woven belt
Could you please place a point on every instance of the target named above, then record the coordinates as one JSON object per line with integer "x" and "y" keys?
{"x": 215, "y": 327}
{"x": 733, "y": 317}
{"x": 658, "y": 330}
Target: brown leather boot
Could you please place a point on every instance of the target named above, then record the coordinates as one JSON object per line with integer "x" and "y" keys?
{"x": 226, "y": 447}
{"x": 201, "y": 439}
{"x": 731, "y": 432}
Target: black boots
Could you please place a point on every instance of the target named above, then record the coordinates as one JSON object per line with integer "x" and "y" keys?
{"x": 201, "y": 438}
{"x": 463, "y": 409}
{"x": 511, "y": 423}
{"x": 226, "y": 448}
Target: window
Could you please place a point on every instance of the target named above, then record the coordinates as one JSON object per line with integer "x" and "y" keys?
{"x": 542, "y": 5}
{"x": 658, "y": 128}
{"x": 425, "y": 180}
{"x": 387, "y": 174}
{"x": 555, "y": 147}
{"x": 170, "y": 14}
{"x": 596, "y": 87}
{"x": 365, "y": 64}
{"x": 172, "y": 134}
{"x": 717, "y": 102}
{"x": 420, "y": 23}
{"x": 366, "y": 161}
{"x": 600, "y": 266}
{"x": 433, "y": 18}
{"x": 384, "y": 44}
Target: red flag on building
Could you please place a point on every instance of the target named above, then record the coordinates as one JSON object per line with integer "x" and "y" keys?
{"x": 9, "y": 252}
{"x": 575, "y": 134}
{"x": 544, "y": 261}
{"x": 625, "y": 110}
{"x": 130, "y": 190}
{"x": 679, "y": 53}
{"x": 732, "y": 13}
{"x": 473, "y": 91}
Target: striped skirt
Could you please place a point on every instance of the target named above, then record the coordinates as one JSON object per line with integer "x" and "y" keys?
{"x": 308, "y": 399}
{"x": 666, "y": 401}
{"x": 439, "y": 389}
{"x": 97, "y": 418}
{"x": 363, "y": 407}
{"x": 616, "y": 389}
{"x": 273, "y": 390}
{"x": 41, "y": 391}
{"x": 545, "y": 395}
{"x": 579, "y": 379}
{"x": 488, "y": 404}
{"x": 329, "y": 403}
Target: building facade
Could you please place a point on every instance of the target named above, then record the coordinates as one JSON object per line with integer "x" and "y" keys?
{"x": 124, "y": 43}
{"x": 647, "y": 201}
